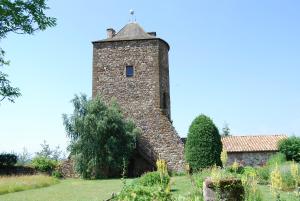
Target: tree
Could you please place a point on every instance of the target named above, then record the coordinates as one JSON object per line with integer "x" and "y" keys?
{"x": 101, "y": 139}
{"x": 53, "y": 154}
{"x": 20, "y": 17}
{"x": 24, "y": 157}
{"x": 226, "y": 130}
{"x": 291, "y": 148}
{"x": 203, "y": 146}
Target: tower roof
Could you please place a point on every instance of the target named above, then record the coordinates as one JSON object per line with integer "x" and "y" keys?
{"x": 132, "y": 31}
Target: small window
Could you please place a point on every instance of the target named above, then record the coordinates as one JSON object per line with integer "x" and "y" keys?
{"x": 129, "y": 71}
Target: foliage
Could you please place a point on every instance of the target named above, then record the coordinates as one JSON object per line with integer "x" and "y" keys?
{"x": 44, "y": 164}
{"x": 278, "y": 158}
{"x": 102, "y": 189}
{"x": 24, "y": 158}
{"x": 250, "y": 184}
{"x": 226, "y": 130}
{"x": 21, "y": 183}
{"x": 291, "y": 148}
{"x": 6, "y": 90}
{"x": 57, "y": 174}
{"x": 224, "y": 157}
{"x": 200, "y": 177}
{"x": 47, "y": 152}
{"x": 7, "y": 159}
{"x": 101, "y": 139}
{"x": 263, "y": 174}
{"x": 154, "y": 178}
{"x": 276, "y": 180}
{"x": 21, "y": 17}
{"x": 143, "y": 193}
{"x": 295, "y": 173}
{"x": 203, "y": 146}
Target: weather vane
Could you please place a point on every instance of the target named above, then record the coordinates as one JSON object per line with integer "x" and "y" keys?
{"x": 131, "y": 12}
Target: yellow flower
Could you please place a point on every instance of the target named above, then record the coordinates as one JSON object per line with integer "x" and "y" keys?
{"x": 224, "y": 157}
{"x": 276, "y": 179}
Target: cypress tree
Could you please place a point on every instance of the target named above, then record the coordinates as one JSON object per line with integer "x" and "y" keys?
{"x": 203, "y": 146}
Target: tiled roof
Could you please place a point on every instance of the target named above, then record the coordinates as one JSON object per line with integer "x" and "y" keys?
{"x": 251, "y": 143}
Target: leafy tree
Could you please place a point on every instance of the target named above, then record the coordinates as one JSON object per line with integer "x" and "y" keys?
{"x": 48, "y": 153}
{"x": 203, "y": 146}
{"x": 20, "y": 17}
{"x": 291, "y": 148}
{"x": 24, "y": 157}
{"x": 101, "y": 139}
{"x": 226, "y": 130}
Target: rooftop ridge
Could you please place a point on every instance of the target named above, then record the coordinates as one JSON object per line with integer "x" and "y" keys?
{"x": 262, "y": 135}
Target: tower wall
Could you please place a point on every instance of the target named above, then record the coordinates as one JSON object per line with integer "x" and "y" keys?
{"x": 145, "y": 97}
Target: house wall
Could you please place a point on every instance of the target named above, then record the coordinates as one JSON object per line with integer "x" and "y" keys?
{"x": 250, "y": 158}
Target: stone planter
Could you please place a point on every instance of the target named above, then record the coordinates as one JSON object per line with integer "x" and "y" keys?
{"x": 226, "y": 190}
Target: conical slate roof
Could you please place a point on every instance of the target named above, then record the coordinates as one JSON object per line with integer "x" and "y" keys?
{"x": 132, "y": 31}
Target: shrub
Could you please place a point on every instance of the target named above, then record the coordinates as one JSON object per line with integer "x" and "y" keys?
{"x": 263, "y": 174}
{"x": 291, "y": 148}
{"x": 278, "y": 158}
{"x": 235, "y": 168}
{"x": 44, "y": 164}
{"x": 8, "y": 159}
{"x": 203, "y": 146}
{"x": 143, "y": 193}
{"x": 154, "y": 178}
{"x": 102, "y": 140}
{"x": 57, "y": 174}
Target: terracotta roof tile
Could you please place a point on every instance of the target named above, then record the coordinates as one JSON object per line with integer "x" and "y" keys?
{"x": 252, "y": 143}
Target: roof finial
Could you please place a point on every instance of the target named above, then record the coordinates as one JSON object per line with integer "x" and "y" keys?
{"x": 131, "y": 12}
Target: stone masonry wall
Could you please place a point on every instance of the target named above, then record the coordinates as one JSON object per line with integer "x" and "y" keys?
{"x": 140, "y": 96}
{"x": 250, "y": 158}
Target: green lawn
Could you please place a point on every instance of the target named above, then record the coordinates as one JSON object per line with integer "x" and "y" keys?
{"x": 92, "y": 190}
{"x": 69, "y": 190}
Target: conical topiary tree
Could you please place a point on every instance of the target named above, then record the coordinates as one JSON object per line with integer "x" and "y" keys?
{"x": 203, "y": 146}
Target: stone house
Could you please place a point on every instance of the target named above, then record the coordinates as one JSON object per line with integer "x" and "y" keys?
{"x": 132, "y": 66}
{"x": 251, "y": 150}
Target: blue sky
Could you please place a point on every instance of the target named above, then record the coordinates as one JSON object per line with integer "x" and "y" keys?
{"x": 235, "y": 61}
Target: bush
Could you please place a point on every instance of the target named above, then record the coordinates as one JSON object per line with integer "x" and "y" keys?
{"x": 263, "y": 174}
{"x": 143, "y": 193}
{"x": 102, "y": 140}
{"x": 8, "y": 159}
{"x": 278, "y": 158}
{"x": 44, "y": 164}
{"x": 291, "y": 148}
{"x": 203, "y": 146}
{"x": 154, "y": 178}
{"x": 57, "y": 174}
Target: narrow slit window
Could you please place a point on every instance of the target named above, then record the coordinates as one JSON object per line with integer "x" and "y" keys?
{"x": 129, "y": 71}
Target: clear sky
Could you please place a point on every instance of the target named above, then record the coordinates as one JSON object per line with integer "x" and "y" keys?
{"x": 235, "y": 61}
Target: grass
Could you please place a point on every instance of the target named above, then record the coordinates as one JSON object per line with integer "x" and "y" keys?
{"x": 69, "y": 189}
{"x": 21, "y": 183}
{"x": 99, "y": 190}
{"x": 267, "y": 194}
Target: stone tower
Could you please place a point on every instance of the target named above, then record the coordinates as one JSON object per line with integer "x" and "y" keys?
{"x": 132, "y": 66}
